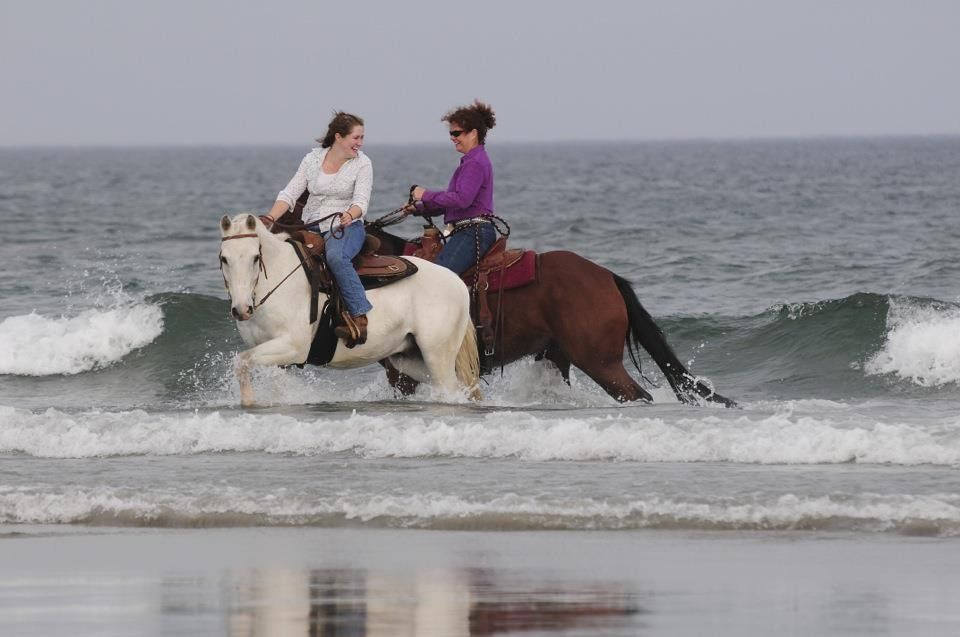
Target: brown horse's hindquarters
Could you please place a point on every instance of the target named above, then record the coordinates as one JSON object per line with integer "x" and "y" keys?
{"x": 573, "y": 315}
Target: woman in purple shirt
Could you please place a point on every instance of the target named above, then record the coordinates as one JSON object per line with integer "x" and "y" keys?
{"x": 467, "y": 203}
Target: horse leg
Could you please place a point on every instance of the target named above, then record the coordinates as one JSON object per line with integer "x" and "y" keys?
{"x": 277, "y": 351}
{"x": 402, "y": 384}
{"x": 615, "y": 380}
{"x": 438, "y": 354}
{"x": 598, "y": 349}
{"x": 600, "y": 355}
{"x": 441, "y": 365}
{"x": 555, "y": 356}
{"x": 242, "y": 369}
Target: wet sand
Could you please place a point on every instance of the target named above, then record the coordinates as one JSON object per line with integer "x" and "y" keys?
{"x": 304, "y": 581}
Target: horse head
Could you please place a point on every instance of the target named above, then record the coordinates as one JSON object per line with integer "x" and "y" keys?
{"x": 241, "y": 262}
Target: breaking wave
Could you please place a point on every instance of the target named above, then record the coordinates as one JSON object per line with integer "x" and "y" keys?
{"x": 934, "y": 514}
{"x": 36, "y": 345}
{"x": 752, "y": 438}
{"x": 922, "y": 345}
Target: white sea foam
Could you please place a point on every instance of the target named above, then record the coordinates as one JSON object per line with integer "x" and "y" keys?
{"x": 524, "y": 384}
{"x": 764, "y": 438}
{"x": 214, "y": 506}
{"x": 36, "y": 345}
{"x": 922, "y": 345}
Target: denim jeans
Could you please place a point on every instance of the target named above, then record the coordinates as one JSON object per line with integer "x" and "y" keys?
{"x": 340, "y": 253}
{"x": 460, "y": 252}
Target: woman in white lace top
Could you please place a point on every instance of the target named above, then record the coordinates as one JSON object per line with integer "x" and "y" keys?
{"x": 339, "y": 178}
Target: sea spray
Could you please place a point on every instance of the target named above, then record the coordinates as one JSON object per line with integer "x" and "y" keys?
{"x": 922, "y": 346}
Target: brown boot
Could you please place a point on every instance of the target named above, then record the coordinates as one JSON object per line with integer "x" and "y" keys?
{"x": 361, "y": 323}
{"x": 353, "y": 331}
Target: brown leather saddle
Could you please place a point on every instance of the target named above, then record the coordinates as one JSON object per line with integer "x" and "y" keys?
{"x": 378, "y": 270}
{"x": 375, "y": 270}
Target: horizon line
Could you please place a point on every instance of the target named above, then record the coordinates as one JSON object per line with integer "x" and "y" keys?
{"x": 651, "y": 140}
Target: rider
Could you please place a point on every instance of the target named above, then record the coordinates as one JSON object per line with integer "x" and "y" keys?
{"x": 467, "y": 203}
{"x": 339, "y": 177}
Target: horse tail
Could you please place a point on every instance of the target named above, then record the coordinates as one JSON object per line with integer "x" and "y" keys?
{"x": 468, "y": 363}
{"x": 642, "y": 331}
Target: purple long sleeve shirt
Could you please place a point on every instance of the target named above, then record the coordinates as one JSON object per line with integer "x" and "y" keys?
{"x": 470, "y": 193}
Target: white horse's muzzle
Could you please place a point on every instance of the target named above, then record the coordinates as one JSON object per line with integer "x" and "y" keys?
{"x": 242, "y": 312}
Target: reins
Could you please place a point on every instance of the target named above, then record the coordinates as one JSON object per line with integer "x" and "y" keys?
{"x": 267, "y": 295}
{"x": 391, "y": 218}
{"x": 313, "y": 226}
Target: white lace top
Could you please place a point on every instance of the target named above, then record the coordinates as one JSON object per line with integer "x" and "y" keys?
{"x": 351, "y": 185}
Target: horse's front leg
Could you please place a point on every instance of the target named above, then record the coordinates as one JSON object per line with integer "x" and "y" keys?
{"x": 277, "y": 351}
{"x": 242, "y": 368}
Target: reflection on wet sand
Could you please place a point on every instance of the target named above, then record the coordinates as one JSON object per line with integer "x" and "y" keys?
{"x": 281, "y": 602}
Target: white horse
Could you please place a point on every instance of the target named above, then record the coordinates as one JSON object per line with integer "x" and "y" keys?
{"x": 420, "y": 324}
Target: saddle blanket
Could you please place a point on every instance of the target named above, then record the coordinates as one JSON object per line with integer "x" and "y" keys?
{"x": 521, "y": 272}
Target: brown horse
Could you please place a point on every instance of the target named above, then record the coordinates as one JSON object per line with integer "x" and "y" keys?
{"x": 580, "y": 314}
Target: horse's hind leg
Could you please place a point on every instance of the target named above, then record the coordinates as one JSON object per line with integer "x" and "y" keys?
{"x": 555, "y": 356}
{"x": 402, "y": 384}
{"x": 598, "y": 351}
{"x": 442, "y": 368}
{"x": 436, "y": 366}
{"x": 615, "y": 380}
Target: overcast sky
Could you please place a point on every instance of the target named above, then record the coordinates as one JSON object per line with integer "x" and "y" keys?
{"x": 111, "y": 72}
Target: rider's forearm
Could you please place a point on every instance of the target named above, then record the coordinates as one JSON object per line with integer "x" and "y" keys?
{"x": 279, "y": 207}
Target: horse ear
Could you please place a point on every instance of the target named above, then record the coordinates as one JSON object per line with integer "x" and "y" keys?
{"x": 251, "y": 223}
{"x": 225, "y": 224}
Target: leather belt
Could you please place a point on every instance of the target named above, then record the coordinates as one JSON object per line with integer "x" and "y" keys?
{"x": 465, "y": 223}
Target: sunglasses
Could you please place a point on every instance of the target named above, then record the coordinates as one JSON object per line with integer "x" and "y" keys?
{"x": 457, "y": 133}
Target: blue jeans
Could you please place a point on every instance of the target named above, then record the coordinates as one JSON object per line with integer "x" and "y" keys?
{"x": 460, "y": 252}
{"x": 340, "y": 253}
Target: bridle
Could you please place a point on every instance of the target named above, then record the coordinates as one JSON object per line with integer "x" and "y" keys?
{"x": 262, "y": 268}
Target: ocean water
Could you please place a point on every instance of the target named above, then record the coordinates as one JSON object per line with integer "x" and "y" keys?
{"x": 815, "y": 282}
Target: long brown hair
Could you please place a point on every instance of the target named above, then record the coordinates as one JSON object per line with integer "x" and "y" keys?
{"x": 341, "y": 123}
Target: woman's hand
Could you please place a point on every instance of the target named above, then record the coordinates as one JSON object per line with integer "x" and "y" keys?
{"x": 346, "y": 218}
{"x": 415, "y": 208}
{"x": 417, "y": 193}
{"x": 267, "y": 220}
